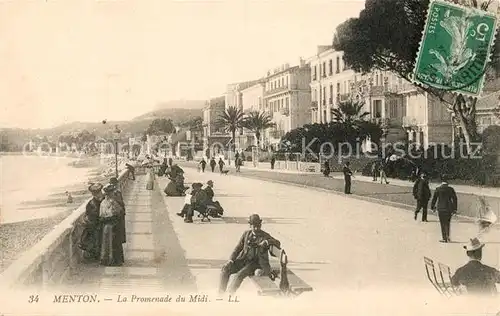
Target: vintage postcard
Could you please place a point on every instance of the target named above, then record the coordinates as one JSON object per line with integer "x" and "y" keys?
{"x": 244, "y": 157}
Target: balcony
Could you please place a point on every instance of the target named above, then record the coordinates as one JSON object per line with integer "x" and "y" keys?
{"x": 285, "y": 111}
{"x": 409, "y": 121}
{"x": 377, "y": 91}
{"x": 281, "y": 89}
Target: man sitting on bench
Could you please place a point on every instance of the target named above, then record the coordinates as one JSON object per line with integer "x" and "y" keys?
{"x": 251, "y": 253}
{"x": 199, "y": 201}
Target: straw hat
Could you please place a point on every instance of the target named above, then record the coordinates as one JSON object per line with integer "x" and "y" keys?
{"x": 474, "y": 244}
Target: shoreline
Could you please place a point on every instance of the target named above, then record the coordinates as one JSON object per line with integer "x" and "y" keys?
{"x": 17, "y": 237}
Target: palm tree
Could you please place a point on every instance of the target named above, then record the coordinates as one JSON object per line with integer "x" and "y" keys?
{"x": 232, "y": 120}
{"x": 350, "y": 113}
{"x": 257, "y": 122}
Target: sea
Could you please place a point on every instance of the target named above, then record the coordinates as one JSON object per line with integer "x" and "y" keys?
{"x": 33, "y": 187}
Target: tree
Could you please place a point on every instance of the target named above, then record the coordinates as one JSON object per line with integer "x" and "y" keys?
{"x": 160, "y": 126}
{"x": 257, "y": 122}
{"x": 350, "y": 113}
{"x": 232, "y": 120}
{"x": 386, "y": 36}
{"x": 194, "y": 123}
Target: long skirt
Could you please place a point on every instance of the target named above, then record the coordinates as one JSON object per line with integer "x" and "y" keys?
{"x": 121, "y": 228}
{"x": 150, "y": 183}
{"x": 111, "y": 246}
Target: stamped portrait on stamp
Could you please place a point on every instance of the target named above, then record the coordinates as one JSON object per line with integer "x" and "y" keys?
{"x": 455, "y": 48}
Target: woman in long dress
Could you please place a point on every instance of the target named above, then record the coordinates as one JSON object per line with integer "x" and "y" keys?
{"x": 111, "y": 241}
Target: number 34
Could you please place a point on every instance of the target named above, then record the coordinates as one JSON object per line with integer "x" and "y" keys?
{"x": 33, "y": 299}
{"x": 480, "y": 32}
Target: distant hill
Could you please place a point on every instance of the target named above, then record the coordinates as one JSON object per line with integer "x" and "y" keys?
{"x": 177, "y": 115}
{"x": 136, "y": 126}
{"x": 181, "y": 104}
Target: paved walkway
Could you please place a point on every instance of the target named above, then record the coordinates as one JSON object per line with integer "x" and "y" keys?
{"x": 150, "y": 238}
{"x": 340, "y": 245}
{"x": 477, "y": 190}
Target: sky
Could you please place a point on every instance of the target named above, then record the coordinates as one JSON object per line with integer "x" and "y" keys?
{"x": 86, "y": 60}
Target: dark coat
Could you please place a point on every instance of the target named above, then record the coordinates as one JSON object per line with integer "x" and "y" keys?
{"x": 421, "y": 190}
{"x": 247, "y": 249}
{"x": 347, "y": 172}
{"x": 446, "y": 199}
{"x": 210, "y": 193}
{"x": 477, "y": 278}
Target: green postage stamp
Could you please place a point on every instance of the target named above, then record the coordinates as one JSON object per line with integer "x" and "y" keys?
{"x": 455, "y": 48}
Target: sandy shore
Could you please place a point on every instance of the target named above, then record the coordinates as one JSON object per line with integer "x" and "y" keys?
{"x": 15, "y": 238}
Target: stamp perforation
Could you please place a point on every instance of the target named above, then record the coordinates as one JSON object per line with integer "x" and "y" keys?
{"x": 490, "y": 49}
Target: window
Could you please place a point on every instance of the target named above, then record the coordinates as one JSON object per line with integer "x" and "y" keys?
{"x": 324, "y": 95}
{"x": 315, "y": 72}
{"x": 324, "y": 69}
{"x": 338, "y": 87}
{"x": 283, "y": 81}
{"x": 338, "y": 65}
{"x": 331, "y": 94}
{"x": 376, "y": 80}
{"x": 287, "y": 104}
{"x": 330, "y": 67}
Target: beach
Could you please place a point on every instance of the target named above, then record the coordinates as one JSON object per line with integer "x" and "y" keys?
{"x": 33, "y": 198}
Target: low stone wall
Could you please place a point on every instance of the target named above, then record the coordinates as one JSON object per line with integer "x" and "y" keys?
{"x": 52, "y": 260}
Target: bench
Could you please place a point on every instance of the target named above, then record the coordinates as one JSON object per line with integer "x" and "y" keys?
{"x": 441, "y": 280}
{"x": 286, "y": 283}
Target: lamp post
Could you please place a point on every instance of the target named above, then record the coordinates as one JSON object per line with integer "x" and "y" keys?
{"x": 116, "y": 138}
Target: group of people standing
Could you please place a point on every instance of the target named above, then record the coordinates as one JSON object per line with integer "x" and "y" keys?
{"x": 103, "y": 225}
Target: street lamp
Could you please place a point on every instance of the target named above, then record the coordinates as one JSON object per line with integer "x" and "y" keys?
{"x": 116, "y": 137}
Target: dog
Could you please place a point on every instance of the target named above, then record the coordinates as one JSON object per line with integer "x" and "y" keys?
{"x": 225, "y": 172}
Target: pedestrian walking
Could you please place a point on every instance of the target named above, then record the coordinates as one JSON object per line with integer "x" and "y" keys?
{"x": 203, "y": 164}
{"x": 212, "y": 164}
{"x": 347, "y": 178}
{"x": 326, "y": 170}
{"x": 375, "y": 170}
{"x": 221, "y": 165}
{"x": 273, "y": 161}
{"x": 422, "y": 194}
{"x": 478, "y": 278}
{"x": 446, "y": 199}
{"x": 383, "y": 171}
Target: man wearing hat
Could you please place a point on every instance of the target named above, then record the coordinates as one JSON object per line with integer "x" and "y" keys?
{"x": 90, "y": 238}
{"x": 422, "y": 194}
{"x": 446, "y": 199}
{"x": 479, "y": 279}
{"x": 210, "y": 196}
{"x": 251, "y": 253}
{"x": 199, "y": 201}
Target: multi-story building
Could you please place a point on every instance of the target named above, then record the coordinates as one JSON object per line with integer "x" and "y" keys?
{"x": 287, "y": 99}
{"x": 252, "y": 101}
{"x": 330, "y": 83}
{"x": 234, "y": 96}
{"x": 213, "y": 132}
{"x": 487, "y": 107}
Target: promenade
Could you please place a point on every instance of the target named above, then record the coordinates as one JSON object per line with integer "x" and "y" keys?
{"x": 334, "y": 242}
{"x": 398, "y": 193}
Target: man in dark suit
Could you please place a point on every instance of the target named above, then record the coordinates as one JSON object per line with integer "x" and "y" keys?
{"x": 251, "y": 253}
{"x": 422, "y": 194}
{"x": 446, "y": 199}
{"x": 347, "y": 178}
{"x": 479, "y": 279}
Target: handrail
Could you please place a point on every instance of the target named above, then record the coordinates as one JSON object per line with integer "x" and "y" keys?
{"x": 34, "y": 258}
